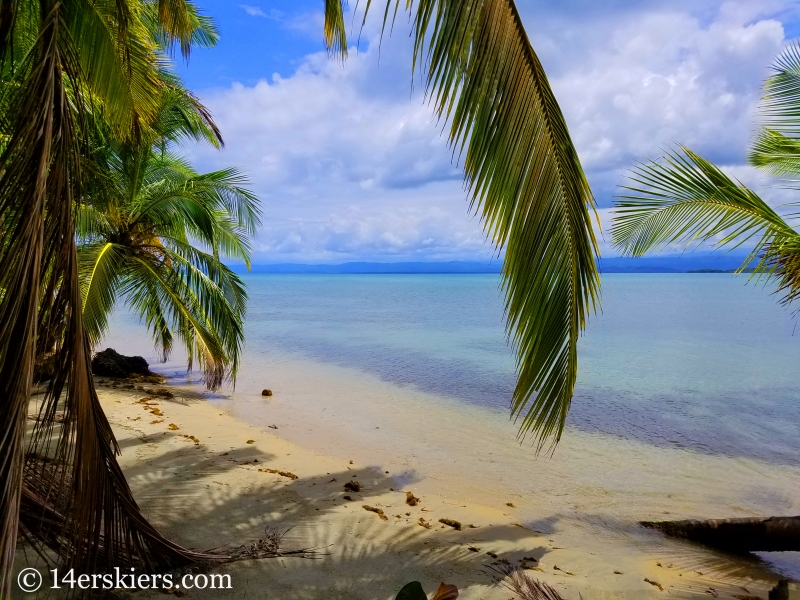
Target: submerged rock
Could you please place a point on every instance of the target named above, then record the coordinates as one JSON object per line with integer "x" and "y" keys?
{"x": 110, "y": 363}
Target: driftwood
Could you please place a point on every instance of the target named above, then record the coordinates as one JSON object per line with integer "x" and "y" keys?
{"x": 775, "y": 534}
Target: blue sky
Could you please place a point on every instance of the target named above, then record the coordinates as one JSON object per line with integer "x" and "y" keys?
{"x": 351, "y": 166}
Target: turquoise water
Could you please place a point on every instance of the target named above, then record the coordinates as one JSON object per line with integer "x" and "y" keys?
{"x": 695, "y": 361}
{"x": 704, "y": 362}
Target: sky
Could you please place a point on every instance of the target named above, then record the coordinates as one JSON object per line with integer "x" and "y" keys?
{"x": 350, "y": 164}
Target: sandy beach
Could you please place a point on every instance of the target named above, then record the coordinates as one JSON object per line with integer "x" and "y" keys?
{"x": 202, "y": 477}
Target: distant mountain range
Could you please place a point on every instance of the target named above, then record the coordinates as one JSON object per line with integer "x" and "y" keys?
{"x": 686, "y": 263}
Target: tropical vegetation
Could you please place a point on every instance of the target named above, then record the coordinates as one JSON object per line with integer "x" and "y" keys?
{"x": 153, "y": 233}
{"x": 92, "y": 210}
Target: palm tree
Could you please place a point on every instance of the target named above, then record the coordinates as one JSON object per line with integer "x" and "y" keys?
{"x": 523, "y": 177}
{"x": 61, "y": 60}
{"x": 153, "y": 233}
{"x": 687, "y": 200}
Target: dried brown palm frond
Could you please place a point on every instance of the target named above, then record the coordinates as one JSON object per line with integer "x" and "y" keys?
{"x": 525, "y": 587}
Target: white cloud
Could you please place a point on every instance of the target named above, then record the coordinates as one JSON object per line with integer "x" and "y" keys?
{"x": 351, "y": 164}
{"x": 253, "y": 11}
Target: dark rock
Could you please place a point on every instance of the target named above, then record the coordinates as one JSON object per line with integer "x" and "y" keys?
{"x": 110, "y": 363}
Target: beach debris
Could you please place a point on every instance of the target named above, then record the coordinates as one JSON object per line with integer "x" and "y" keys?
{"x": 250, "y": 442}
{"x": 377, "y": 511}
{"x": 288, "y": 474}
{"x": 712, "y": 592}
{"x": 157, "y": 412}
{"x": 523, "y": 586}
{"x": 352, "y": 486}
{"x": 191, "y": 437}
{"x": 266, "y": 392}
{"x": 452, "y": 523}
{"x": 423, "y": 523}
{"x": 510, "y": 504}
{"x": 351, "y": 462}
{"x": 156, "y": 422}
{"x": 655, "y": 583}
{"x": 265, "y": 547}
{"x": 172, "y": 427}
{"x": 618, "y": 573}
{"x": 332, "y": 480}
{"x": 412, "y": 500}
{"x": 272, "y": 426}
{"x": 473, "y": 549}
{"x": 164, "y": 393}
{"x": 557, "y": 568}
{"x": 346, "y": 498}
{"x": 136, "y": 419}
{"x": 408, "y": 514}
{"x": 747, "y": 597}
{"x": 492, "y": 554}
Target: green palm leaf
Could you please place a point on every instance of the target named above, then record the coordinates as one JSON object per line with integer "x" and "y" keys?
{"x": 687, "y": 200}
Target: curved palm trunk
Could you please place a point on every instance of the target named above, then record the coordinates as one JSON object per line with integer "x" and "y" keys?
{"x": 775, "y": 534}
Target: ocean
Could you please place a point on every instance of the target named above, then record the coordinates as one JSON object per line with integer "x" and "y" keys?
{"x": 687, "y": 402}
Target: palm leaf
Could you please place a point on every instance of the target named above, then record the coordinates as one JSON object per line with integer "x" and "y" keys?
{"x": 776, "y": 153}
{"x": 687, "y": 200}
{"x": 334, "y": 31}
{"x": 524, "y": 178}
{"x": 780, "y": 104}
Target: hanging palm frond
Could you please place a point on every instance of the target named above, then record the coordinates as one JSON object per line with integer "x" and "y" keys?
{"x": 524, "y": 178}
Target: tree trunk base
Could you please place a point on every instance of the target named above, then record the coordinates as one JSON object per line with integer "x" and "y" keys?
{"x": 775, "y": 534}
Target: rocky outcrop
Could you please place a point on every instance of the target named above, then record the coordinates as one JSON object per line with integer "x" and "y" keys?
{"x": 110, "y": 363}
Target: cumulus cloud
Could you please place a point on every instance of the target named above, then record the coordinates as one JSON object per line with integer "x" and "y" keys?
{"x": 352, "y": 165}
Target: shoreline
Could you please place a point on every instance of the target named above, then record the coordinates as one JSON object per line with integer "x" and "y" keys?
{"x": 210, "y": 492}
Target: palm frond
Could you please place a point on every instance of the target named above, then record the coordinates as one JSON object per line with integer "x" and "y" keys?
{"x": 687, "y": 200}
{"x": 776, "y": 153}
{"x": 780, "y": 104}
{"x": 100, "y": 268}
{"x": 524, "y": 178}
{"x": 335, "y": 32}
{"x": 184, "y": 311}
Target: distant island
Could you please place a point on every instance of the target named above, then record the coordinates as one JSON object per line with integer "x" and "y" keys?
{"x": 687, "y": 263}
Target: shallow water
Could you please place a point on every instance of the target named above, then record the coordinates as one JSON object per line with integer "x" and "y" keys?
{"x": 686, "y": 404}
